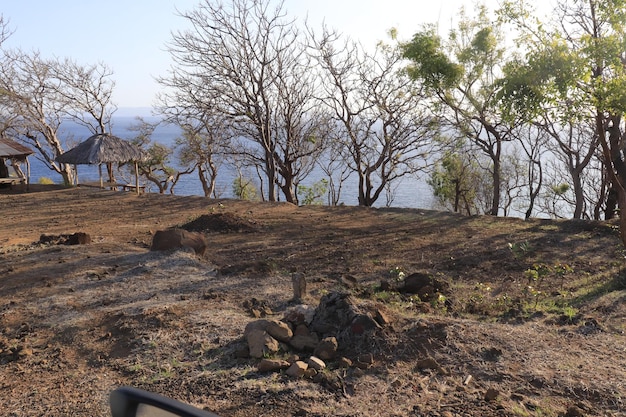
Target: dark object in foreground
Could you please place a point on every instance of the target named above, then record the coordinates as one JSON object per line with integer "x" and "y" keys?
{"x": 134, "y": 402}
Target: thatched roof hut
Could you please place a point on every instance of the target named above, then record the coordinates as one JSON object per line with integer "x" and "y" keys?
{"x": 104, "y": 148}
{"x": 16, "y": 153}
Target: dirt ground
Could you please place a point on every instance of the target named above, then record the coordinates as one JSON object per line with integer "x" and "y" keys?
{"x": 529, "y": 319}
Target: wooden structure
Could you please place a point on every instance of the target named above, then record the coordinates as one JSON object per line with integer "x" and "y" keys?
{"x": 16, "y": 154}
{"x": 104, "y": 148}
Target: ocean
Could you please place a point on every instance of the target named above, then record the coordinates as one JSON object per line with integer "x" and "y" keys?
{"x": 409, "y": 192}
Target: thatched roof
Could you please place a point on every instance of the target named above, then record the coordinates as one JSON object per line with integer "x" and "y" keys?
{"x": 101, "y": 149}
{"x": 11, "y": 149}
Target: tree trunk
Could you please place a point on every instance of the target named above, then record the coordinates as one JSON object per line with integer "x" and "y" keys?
{"x": 578, "y": 194}
{"x": 495, "y": 203}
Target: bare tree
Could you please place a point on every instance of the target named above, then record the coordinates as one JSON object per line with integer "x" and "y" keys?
{"x": 244, "y": 61}
{"x": 41, "y": 94}
{"x": 379, "y": 119}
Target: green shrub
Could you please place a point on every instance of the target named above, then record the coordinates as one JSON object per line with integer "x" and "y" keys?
{"x": 45, "y": 181}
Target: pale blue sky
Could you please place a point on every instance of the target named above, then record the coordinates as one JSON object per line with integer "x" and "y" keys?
{"x": 130, "y": 35}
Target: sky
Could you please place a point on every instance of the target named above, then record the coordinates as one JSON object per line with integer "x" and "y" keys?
{"x": 130, "y": 36}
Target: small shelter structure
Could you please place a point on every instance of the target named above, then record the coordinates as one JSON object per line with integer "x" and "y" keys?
{"x": 16, "y": 153}
{"x": 104, "y": 148}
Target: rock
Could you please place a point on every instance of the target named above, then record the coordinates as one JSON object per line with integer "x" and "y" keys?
{"x": 255, "y": 325}
{"x": 335, "y": 312}
{"x": 78, "y": 238}
{"x": 431, "y": 363}
{"x": 310, "y": 373}
{"x": 300, "y": 314}
{"x": 257, "y": 308}
{"x": 362, "y": 323}
{"x": 261, "y": 343}
{"x": 301, "y": 342}
{"x": 425, "y": 286}
{"x": 382, "y": 318}
{"x": 327, "y": 348}
{"x": 297, "y": 369}
{"x": 574, "y": 411}
{"x": 298, "y": 281}
{"x": 178, "y": 238}
{"x": 415, "y": 282}
{"x": 316, "y": 363}
{"x": 279, "y": 330}
{"x": 302, "y": 330}
{"x": 270, "y": 365}
{"x": 344, "y": 362}
{"x": 491, "y": 394}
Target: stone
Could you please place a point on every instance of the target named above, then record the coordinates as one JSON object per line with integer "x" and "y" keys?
{"x": 302, "y": 330}
{"x": 362, "y": 323}
{"x": 310, "y": 373}
{"x": 298, "y": 281}
{"x": 491, "y": 394}
{"x": 279, "y": 330}
{"x": 574, "y": 411}
{"x": 299, "y": 314}
{"x": 78, "y": 238}
{"x": 261, "y": 343}
{"x": 170, "y": 239}
{"x": 308, "y": 342}
{"x": 316, "y": 363}
{"x": 270, "y": 365}
{"x": 255, "y": 325}
{"x": 327, "y": 348}
{"x": 297, "y": 369}
{"x": 382, "y": 318}
{"x": 425, "y": 286}
{"x": 344, "y": 362}
{"x": 428, "y": 363}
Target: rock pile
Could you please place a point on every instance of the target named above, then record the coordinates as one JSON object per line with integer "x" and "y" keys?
{"x": 306, "y": 338}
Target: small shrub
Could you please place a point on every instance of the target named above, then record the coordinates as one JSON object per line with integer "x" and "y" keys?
{"x": 45, "y": 181}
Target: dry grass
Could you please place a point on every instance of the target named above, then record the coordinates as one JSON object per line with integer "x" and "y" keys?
{"x": 78, "y": 321}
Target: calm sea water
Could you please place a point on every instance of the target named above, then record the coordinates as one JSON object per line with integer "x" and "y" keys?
{"x": 409, "y": 192}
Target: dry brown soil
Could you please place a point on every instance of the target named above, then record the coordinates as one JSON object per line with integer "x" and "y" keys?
{"x": 77, "y": 321}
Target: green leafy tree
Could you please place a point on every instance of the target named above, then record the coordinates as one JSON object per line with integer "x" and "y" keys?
{"x": 580, "y": 61}
{"x": 455, "y": 183}
{"x": 462, "y": 76}
{"x": 244, "y": 189}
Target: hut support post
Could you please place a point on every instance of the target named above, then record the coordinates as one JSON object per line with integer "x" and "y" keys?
{"x": 137, "y": 177}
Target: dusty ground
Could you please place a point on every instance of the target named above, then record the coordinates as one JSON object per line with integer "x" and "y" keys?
{"x": 532, "y": 325}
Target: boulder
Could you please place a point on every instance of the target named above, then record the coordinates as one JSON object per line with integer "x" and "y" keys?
{"x": 261, "y": 343}
{"x": 178, "y": 238}
{"x": 425, "y": 286}
{"x": 279, "y": 330}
